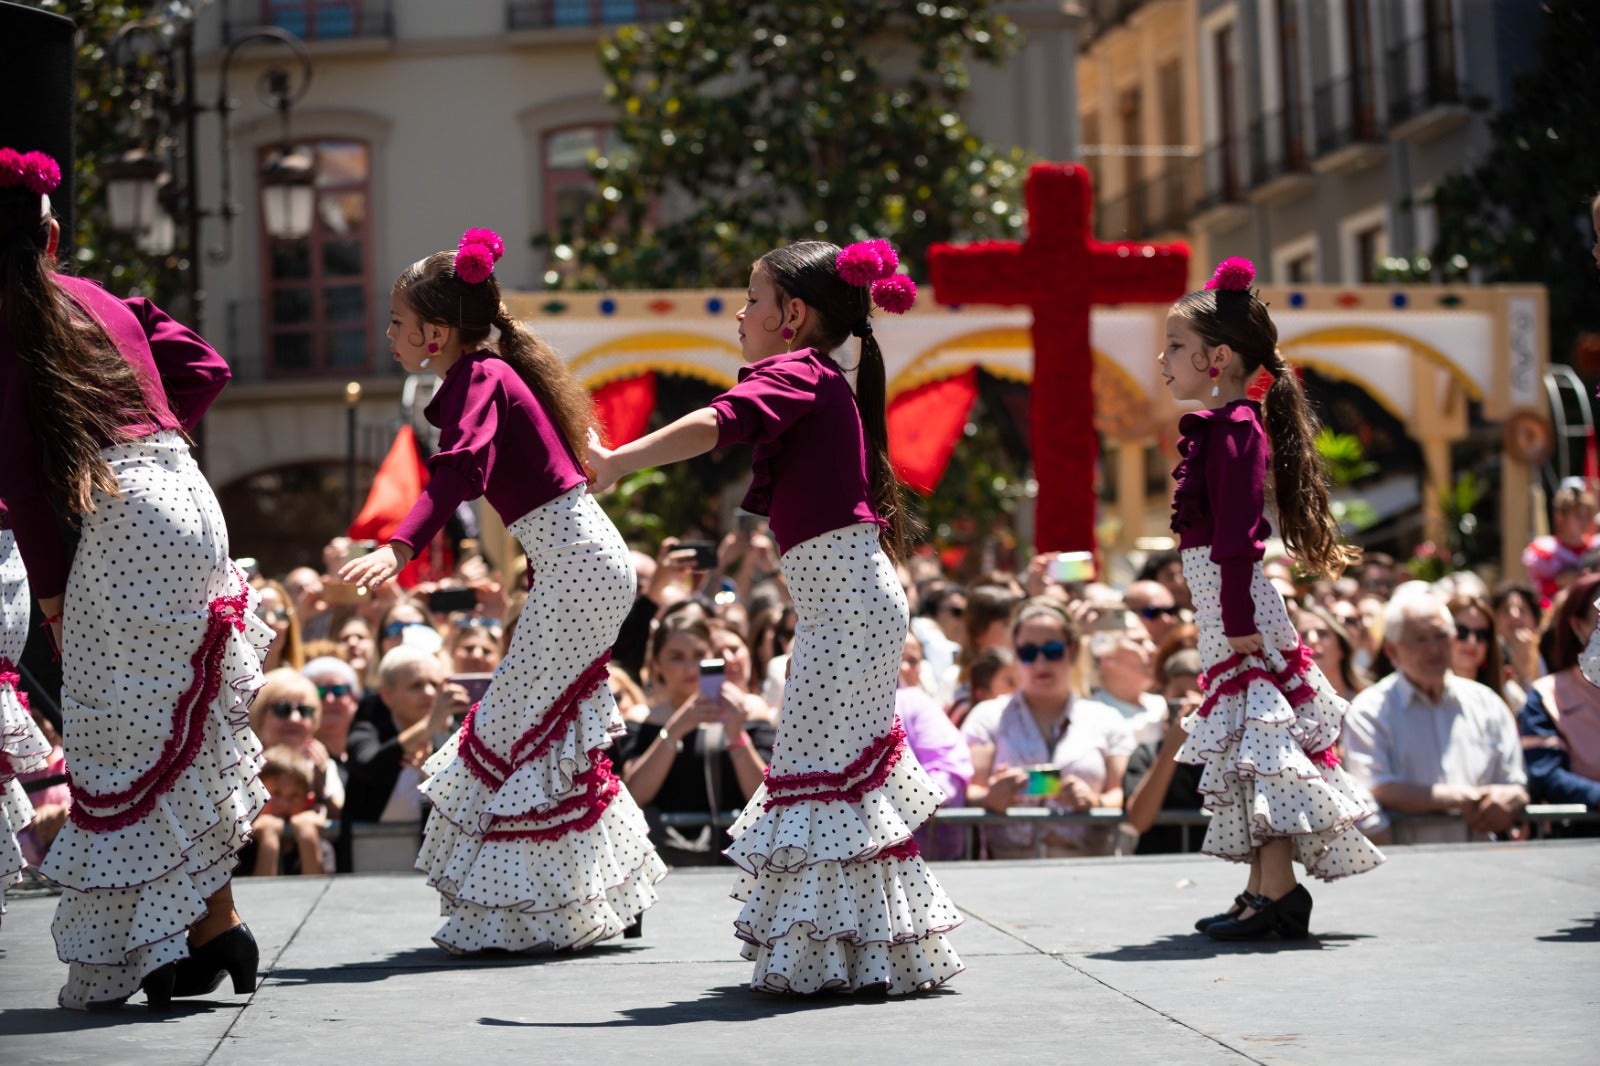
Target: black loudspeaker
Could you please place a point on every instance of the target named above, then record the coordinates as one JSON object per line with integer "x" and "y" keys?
{"x": 36, "y": 82}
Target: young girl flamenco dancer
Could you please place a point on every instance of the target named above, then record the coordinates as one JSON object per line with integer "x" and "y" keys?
{"x": 23, "y": 748}
{"x": 1267, "y": 727}
{"x": 533, "y": 844}
{"x": 835, "y": 894}
{"x": 160, "y": 646}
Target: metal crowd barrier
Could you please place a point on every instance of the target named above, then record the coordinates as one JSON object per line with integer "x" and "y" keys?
{"x": 382, "y": 847}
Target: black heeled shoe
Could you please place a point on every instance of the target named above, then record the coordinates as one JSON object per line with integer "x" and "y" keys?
{"x": 1288, "y": 918}
{"x": 634, "y": 931}
{"x": 233, "y": 954}
{"x": 1240, "y": 902}
{"x": 157, "y": 988}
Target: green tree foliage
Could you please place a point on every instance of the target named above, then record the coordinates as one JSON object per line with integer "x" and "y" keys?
{"x": 105, "y": 118}
{"x": 1522, "y": 215}
{"x": 743, "y": 126}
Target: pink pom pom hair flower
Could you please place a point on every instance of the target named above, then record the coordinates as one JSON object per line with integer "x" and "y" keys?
{"x": 865, "y": 262}
{"x": 477, "y": 254}
{"x": 1233, "y": 274}
{"x": 39, "y": 173}
{"x": 895, "y": 294}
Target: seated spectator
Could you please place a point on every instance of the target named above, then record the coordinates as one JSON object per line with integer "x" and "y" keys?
{"x": 1560, "y": 722}
{"x": 1517, "y": 618}
{"x": 993, "y": 674}
{"x": 1155, "y": 606}
{"x": 940, "y": 749}
{"x": 1155, "y": 780}
{"x": 475, "y": 645}
{"x": 1331, "y": 648}
{"x": 1079, "y": 748}
{"x": 1475, "y": 650}
{"x": 287, "y": 712}
{"x": 1166, "y": 568}
{"x": 286, "y": 837}
{"x": 277, "y": 610}
{"x": 340, "y": 692}
{"x": 386, "y": 755}
{"x": 1555, "y": 559}
{"x": 1425, "y": 741}
{"x": 729, "y": 646}
{"x": 693, "y": 754}
{"x": 1123, "y": 662}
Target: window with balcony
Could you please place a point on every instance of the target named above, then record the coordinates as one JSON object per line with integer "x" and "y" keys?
{"x": 1224, "y": 176}
{"x": 1371, "y": 245}
{"x": 555, "y": 14}
{"x": 310, "y": 20}
{"x": 1363, "y": 92}
{"x": 317, "y": 310}
{"x": 1291, "y": 86}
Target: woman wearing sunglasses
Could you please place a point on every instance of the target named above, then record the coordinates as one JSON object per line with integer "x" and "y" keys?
{"x": 289, "y": 713}
{"x": 1043, "y": 745}
{"x": 340, "y": 692}
{"x": 1475, "y": 651}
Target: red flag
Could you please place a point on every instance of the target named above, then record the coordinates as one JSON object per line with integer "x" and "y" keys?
{"x": 623, "y": 408}
{"x": 395, "y": 488}
{"x": 926, "y": 423}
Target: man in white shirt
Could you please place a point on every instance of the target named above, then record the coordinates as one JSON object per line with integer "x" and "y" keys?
{"x": 1124, "y": 661}
{"x": 1425, "y": 741}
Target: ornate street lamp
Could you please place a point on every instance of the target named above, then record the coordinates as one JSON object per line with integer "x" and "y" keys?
{"x": 151, "y": 199}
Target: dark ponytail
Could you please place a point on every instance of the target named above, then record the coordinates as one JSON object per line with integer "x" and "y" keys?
{"x": 81, "y": 391}
{"x": 432, "y": 289}
{"x": 806, "y": 271}
{"x": 1299, "y": 476}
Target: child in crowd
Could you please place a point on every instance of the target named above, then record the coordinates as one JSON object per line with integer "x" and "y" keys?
{"x": 1267, "y": 728}
{"x": 532, "y": 842}
{"x": 285, "y": 841}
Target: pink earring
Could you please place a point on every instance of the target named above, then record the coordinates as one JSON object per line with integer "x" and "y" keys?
{"x": 1214, "y": 374}
{"x": 433, "y": 349}
{"x": 786, "y": 333}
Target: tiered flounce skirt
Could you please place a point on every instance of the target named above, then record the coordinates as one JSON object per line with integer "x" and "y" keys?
{"x": 23, "y": 748}
{"x": 533, "y": 844}
{"x": 161, "y": 654}
{"x": 1266, "y": 734}
{"x": 836, "y": 896}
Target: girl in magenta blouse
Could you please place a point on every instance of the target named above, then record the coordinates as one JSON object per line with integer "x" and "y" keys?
{"x": 159, "y": 644}
{"x": 532, "y": 843}
{"x": 836, "y": 895}
{"x": 1267, "y": 727}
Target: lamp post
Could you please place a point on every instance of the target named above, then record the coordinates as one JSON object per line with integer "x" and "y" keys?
{"x": 151, "y": 197}
{"x": 352, "y": 399}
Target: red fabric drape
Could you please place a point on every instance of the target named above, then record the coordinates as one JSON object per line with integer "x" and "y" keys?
{"x": 400, "y": 480}
{"x": 623, "y": 408}
{"x": 926, "y": 423}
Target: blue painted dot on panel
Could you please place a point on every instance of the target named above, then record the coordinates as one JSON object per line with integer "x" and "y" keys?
{"x": 608, "y": 306}
{"x": 714, "y": 306}
{"x": 1297, "y": 299}
{"x": 1399, "y": 300}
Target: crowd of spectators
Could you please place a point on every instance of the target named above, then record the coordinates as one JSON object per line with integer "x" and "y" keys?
{"x": 1016, "y": 691}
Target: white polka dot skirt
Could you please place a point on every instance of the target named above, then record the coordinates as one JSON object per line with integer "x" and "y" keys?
{"x": 23, "y": 748}
{"x": 1267, "y": 734}
{"x": 533, "y": 844}
{"x": 161, "y": 655}
{"x": 836, "y": 896}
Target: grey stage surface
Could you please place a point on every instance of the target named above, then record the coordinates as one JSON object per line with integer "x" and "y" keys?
{"x": 1449, "y": 955}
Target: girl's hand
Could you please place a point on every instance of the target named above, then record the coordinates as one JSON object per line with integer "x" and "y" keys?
{"x": 373, "y": 570}
{"x": 601, "y": 464}
{"x": 1246, "y": 645}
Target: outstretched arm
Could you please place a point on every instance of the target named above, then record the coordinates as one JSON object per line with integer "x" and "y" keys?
{"x": 693, "y": 434}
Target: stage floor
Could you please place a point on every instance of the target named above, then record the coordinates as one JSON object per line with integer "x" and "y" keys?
{"x": 1444, "y": 955}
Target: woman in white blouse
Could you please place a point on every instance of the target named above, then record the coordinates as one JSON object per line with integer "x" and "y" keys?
{"x": 1046, "y": 726}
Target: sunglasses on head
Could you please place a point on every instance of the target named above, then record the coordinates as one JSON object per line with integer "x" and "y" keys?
{"x": 335, "y": 690}
{"x": 1053, "y": 651}
{"x": 394, "y": 629}
{"x": 1468, "y": 633}
{"x": 287, "y": 709}
{"x": 1151, "y": 613}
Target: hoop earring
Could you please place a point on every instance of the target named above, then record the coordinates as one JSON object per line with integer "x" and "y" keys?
{"x": 1214, "y": 374}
